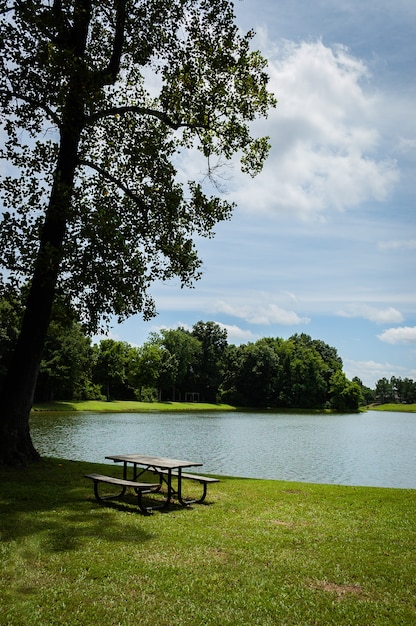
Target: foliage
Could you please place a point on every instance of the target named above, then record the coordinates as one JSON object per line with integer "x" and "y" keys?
{"x": 178, "y": 364}
{"x": 367, "y": 394}
{"x": 99, "y": 103}
{"x": 180, "y": 352}
{"x": 67, "y": 364}
{"x": 262, "y": 552}
{"x": 144, "y": 370}
{"x": 207, "y": 370}
{"x": 10, "y": 320}
{"x": 395, "y": 390}
{"x": 297, "y": 373}
{"x": 129, "y": 86}
{"x": 111, "y": 367}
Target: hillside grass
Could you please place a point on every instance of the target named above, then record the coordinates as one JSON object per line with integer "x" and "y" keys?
{"x": 129, "y": 406}
{"x": 260, "y": 552}
{"x": 402, "y": 408}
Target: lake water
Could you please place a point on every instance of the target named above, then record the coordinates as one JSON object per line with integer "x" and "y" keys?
{"x": 373, "y": 449}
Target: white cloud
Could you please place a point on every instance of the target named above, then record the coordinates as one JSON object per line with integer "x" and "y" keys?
{"x": 404, "y": 334}
{"x": 406, "y": 145}
{"x": 324, "y": 136}
{"x": 370, "y": 372}
{"x": 237, "y": 335}
{"x": 380, "y": 316}
{"x": 258, "y": 313}
{"x": 397, "y": 244}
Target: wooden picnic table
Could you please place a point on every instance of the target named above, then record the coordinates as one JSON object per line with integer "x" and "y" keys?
{"x": 166, "y": 469}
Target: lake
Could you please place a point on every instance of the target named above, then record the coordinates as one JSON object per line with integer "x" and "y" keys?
{"x": 370, "y": 449}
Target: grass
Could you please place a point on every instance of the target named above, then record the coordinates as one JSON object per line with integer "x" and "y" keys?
{"x": 402, "y": 408}
{"x": 126, "y": 406}
{"x": 260, "y": 552}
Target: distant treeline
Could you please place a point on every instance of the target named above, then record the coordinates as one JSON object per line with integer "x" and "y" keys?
{"x": 194, "y": 365}
{"x": 185, "y": 365}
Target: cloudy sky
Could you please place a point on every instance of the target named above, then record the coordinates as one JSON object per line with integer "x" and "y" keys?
{"x": 323, "y": 241}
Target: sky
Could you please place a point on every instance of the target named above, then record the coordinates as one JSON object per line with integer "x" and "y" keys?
{"x": 323, "y": 241}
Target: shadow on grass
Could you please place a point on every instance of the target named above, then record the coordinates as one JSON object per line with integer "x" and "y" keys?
{"x": 53, "y": 501}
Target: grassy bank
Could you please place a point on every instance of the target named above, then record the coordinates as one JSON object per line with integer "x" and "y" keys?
{"x": 125, "y": 406}
{"x": 403, "y": 408}
{"x": 259, "y": 553}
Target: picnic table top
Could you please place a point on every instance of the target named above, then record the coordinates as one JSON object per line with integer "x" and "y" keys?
{"x": 153, "y": 461}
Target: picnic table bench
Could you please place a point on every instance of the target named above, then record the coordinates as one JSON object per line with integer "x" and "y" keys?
{"x": 203, "y": 480}
{"x": 139, "y": 487}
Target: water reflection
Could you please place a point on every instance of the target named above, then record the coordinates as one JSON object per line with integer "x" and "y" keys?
{"x": 374, "y": 448}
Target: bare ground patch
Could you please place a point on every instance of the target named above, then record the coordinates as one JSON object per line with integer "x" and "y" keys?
{"x": 339, "y": 590}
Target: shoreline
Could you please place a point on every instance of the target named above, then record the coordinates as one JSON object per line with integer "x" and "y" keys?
{"x": 131, "y": 406}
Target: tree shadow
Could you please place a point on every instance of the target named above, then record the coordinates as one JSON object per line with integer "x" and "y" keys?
{"x": 52, "y": 499}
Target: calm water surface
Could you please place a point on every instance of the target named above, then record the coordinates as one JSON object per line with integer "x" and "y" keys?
{"x": 373, "y": 448}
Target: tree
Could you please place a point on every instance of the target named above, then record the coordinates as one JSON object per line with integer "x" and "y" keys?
{"x": 10, "y": 320}
{"x": 255, "y": 375}
{"x": 66, "y": 366}
{"x": 345, "y": 395}
{"x": 311, "y": 365}
{"x": 98, "y": 99}
{"x": 178, "y": 370}
{"x": 111, "y": 367}
{"x": 207, "y": 370}
{"x": 368, "y": 395}
{"x": 384, "y": 391}
{"x": 145, "y": 367}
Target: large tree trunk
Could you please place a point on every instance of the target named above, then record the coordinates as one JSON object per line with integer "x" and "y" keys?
{"x": 16, "y": 399}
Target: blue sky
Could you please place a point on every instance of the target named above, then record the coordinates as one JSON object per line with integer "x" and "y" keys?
{"x": 323, "y": 241}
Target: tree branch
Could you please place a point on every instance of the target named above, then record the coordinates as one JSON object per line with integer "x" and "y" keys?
{"x": 163, "y": 117}
{"x": 109, "y": 74}
{"x": 105, "y": 174}
{"x": 37, "y": 105}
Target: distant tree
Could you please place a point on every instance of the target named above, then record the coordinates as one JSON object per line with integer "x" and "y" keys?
{"x": 97, "y": 101}
{"x": 395, "y": 390}
{"x": 168, "y": 374}
{"x": 384, "y": 391}
{"x": 11, "y": 312}
{"x": 254, "y": 379}
{"x": 345, "y": 395}
{"x": 67, "y": 364}
{"x": 311, "y": 366}
{"x": 367, "y": 393}
{"x": 184, "y": 351}
{"x": 207, "y": 369}
{"x": 409, "y": 391}
{"x": 145, "y": 367}
{"x": 111, "y": 368}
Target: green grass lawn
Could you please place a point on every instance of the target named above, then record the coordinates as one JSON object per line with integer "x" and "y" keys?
{"x": 402, "y": 408}
{"x": 260, "y": 552}
{"x": 126, "y": 406}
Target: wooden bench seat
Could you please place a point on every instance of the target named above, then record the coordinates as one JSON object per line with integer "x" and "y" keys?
{"x": 139, "y": 487}
{"x": 198, "y": 477}
{"x": 203, "y": 480}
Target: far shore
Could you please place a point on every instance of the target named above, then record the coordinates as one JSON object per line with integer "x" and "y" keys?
{"x": 131, "y": 406}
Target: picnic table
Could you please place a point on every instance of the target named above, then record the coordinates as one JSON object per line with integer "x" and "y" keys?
{"x": 165, "y": 469}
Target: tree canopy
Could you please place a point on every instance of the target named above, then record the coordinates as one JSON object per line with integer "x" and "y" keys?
{"x": 99, "y": 99}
